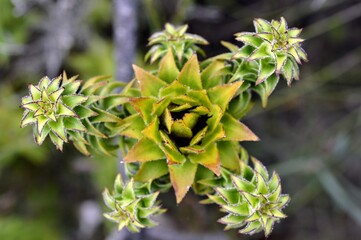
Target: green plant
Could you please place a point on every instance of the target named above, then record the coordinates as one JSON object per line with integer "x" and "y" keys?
{"x": 178, "y": 126}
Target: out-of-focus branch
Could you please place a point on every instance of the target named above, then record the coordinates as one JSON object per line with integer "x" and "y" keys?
{"x": 125, "y": 25}
{"x": 59, "y": 29}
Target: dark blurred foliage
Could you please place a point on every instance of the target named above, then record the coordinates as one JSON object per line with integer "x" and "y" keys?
{"x": 310, "y": 132}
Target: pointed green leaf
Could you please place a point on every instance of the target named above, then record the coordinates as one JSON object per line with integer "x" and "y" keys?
{"x": 232, "y": 219}
{"x": 91, "y": 130}
{"x": 280, "y": 61}
{"x": 222, "y": 94}
{"x": 268, "y": 227}
{"x": 255, "y": 216}
{"x": 63, "y": 110}
{"x": 41, "y": 121}
{"x": 114, "y": 100}
{"x": 104, "y": 116}
{"x": 283, "y": 26}
{"x": 73, "y": 100}
{"x": 84, "y": 112}
{"x": 144, "y": 106}
{"x": 265, "y": 70}
{"x": 242, "y": 184}
{"x": 173, "y": 89}
{"x": 284, "y": 200}
{"x": 57, "y": 128}
{"x": 294, "y": 41}
{"x": 243, "y": 52}
{"x": 236, "y": 131}
{"x": 190, "y": 119}
{"x": 108, "y": 199}
{"x": 261, "y": 184}
{"x": 143, "y": 151}
{"x": 167, "y": 141}
{"x": 72, "y": 88}
{"x": 301, "y": 53}
{"x": 167, "y": 120}
{"x": 294, "y": 32}
{"x": 228, "y": 155}
{"x": 58, "y": 142}
{"x": 267, "y": 36}
{"x": 292, "y": 51}
{"x": 74, "y": 124}
{"x": 149, "y": 84}
{"x": 249, "y": 39}
{"x": 278, "y": 214}
{"x": 262, "y": 25}
{"x": 43, "y": 83}
{"x": 152, "y": 131}
{"x": 198, "y": 136}
{"x": 132, "y": 127}
{"x": 202, "y": 110}
{"x": 160, "y": 106}
{"x": 216, "y": 115}
{"x": 288, "y": 71}
{"x": 231, "y": 47}
{"x": 81, "y": 147}
{"x": 25, "y": 100}
{"x": 190, "y": 74}
{"x": 260, "y": 168}
{"x": 252, "y": 199}
{"x": 273, "y": 182}
{"x": 27, "y": 119}
{"x": 214, "y": 135}
{"x": 31, "y": 106}
{"x": 54, "y": 96}
{"x": 196, "y": 149}
{"x": 173, "y": 155}
{"x": 274, "y": 196}
{"x": 182, "y": 176}
{"x": 168, "y": 70}
{"x": 201, "y": 97}
{"x": 179, "y": 129}
{"x": 230, "y": 195}
{"x": 39, "y": 138}
{"x": 209, "y": 158}
{"x": 261, "y": 52}
{"x": 239, "y": 209}
{"x": 54, "y": 84}
{"x": 210, "y": 76}
{"x": 35, "y": 93}
{"x": 151, "y": 170}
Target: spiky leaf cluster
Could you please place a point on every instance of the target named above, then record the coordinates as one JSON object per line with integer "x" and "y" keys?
{"x": 132, "y": 205}
{"x": 104, "y": 99}
{"x": 272, "y": 51}
{"x": 181, "y": 122}
{"x": 252, "y": 200}
{"x": 276, "y": 48}
{"x": 55, "y": 108}
{"x": 70, "y": 109}
{"x": 183, "y": 44}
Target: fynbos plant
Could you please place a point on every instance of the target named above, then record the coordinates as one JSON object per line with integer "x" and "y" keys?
{"x": 178, "y": 126}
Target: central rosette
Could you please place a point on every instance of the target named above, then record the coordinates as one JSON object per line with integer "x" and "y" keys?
{"x": 180, "y": 121}
{"x": 184, "y": 124}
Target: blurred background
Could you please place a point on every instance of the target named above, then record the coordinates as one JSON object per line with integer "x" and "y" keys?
{"x": 310, "y": 132}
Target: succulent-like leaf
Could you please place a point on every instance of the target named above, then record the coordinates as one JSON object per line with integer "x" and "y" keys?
{"x": 252, "y": 195}
{"x": 132, "y": 205}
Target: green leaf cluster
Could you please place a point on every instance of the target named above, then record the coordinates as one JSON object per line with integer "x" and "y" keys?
{"x": 132, "y": 204}
{"x": 252, "y": 200}
{"x": 183, "y": 44}
{"x": 178, "y": 126}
